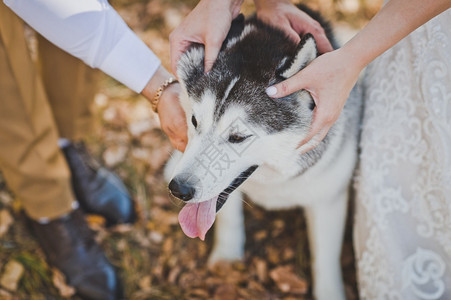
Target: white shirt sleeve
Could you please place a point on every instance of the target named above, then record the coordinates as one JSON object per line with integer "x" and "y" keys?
{"x": 94, "y": 32}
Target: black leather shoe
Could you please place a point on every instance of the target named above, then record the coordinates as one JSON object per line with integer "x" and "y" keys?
{"x": 70, "y": 246}
{"x": 98, "y": 190}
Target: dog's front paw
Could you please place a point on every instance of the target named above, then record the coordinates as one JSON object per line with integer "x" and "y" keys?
{"x": 225, "y": 255}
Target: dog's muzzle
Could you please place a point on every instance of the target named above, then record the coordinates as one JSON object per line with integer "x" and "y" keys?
{"x": 183, "y": 188}
{"x": 235, "y": 183}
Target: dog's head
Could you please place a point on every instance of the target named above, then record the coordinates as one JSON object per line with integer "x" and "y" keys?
{"x": 233, "y": 126}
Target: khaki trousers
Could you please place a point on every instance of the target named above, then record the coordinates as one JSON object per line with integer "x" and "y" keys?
{"x": 37, "y": 106}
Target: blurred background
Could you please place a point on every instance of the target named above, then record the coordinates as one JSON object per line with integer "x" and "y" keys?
{"x": 155, "y": 259}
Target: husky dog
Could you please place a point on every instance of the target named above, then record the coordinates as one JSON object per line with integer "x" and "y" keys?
{"x": 238, "y": 136}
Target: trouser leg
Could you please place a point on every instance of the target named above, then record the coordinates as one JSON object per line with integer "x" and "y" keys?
{"x": 30, "y": 158}
{"x": 70, "y": 86}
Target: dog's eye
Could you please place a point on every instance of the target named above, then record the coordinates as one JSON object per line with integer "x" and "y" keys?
{"x": 194, "y": 121}
{"x": 235, "y": 138}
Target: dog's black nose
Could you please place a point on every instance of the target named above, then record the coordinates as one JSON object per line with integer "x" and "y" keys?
{"x": 181, "y": 189}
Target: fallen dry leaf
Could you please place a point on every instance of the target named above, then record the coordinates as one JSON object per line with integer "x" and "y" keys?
{"x": 288, "y": 254}
{"x": 16, "y": 206}
{"x": 145, "y": 283}
{"x": 141, "y": 110}
{"x": 122, "y": 228}
{"x": 4, "y": 295}
{"x": 114, "y": 155}
{"x": 261, "y": 267}
{"x": 116, "y": 137}
{"x": 287, "y": 281}
{"x": 137, "y": 128}
{"x": 152, "y": 138}
{"x": 260, "y": 235}
{"x": 59, "y": 281}
{"x": 173, "y": 274}
{"x": 95, "y": 220}
{"x": 273, "y": 255}
{"x": 11, "y": 275}
{"x": 155, "y": 237}
{"x": 197, "y": 293}
{"x": 226, "y": 292}
{"x": 5, "y": 198}
{"x": 142, "y": 154}
{"x": 5, "y": 221}
{"x": 101, "y": 100}
{"x": 158, "y": 158}
{"x": 121, "y": 245}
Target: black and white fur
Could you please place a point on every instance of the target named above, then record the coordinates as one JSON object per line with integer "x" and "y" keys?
{"x": 253, "y": 57}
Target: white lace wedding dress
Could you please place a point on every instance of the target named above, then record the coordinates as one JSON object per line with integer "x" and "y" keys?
{"x": 403, "y": 204}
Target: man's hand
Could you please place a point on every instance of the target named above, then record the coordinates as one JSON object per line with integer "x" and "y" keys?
{"x": 172, "y": 116}
{"x": 284, "y": 15}
{"x": 207, "y": 24}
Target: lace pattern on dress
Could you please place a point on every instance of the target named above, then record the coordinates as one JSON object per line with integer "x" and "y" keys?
{"x": 403, "y": 207}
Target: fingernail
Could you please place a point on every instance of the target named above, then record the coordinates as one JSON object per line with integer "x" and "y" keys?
{"x": 271, "y": 91}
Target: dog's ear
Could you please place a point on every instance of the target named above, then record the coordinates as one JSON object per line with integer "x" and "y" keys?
{"x": 191, "y": 65}
{"x": 306, "y": 52}
{"x": 236, "y": 28}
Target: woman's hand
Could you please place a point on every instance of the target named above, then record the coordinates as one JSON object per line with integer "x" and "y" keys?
{"x": 284, "y": 15}
{"x": 329, "y": 79}
{"x": 207, "y": 24}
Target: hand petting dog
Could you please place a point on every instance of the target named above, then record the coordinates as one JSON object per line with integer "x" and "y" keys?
{"x": 172, "y": 117}
{"x": 284, "y": 15}
{"x": 209, "y": 23}
{"x": 242, "y": 141}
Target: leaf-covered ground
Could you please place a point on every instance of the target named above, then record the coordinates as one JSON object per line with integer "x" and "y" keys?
{"x": 154, "y": 258}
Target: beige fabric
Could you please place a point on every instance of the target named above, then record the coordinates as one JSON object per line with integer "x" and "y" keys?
{"x": 30, "y": 159}
{"x": 70, "y": 86}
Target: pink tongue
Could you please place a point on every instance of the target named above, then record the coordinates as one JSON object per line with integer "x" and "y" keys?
{"x": 196, "y": 218}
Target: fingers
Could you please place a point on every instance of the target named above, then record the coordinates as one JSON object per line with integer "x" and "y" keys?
{"x": 180, "y": 139}
{"x": 176, "y": 52}
{"x": 313, "y": 140}
{"x": 292, "y": 34}
{"x": 322, "y": 119}
{"x": 178, "y": 144}
{"x": 312, "y": 143}
{"x": 177, "y": 137}
{"x": 212, "y": 48}
{"x": 302, "y": 23}
{"x": 172, "y": 117}
{"x": 207, "y": 24}
{"x": 286, "y": 87}
{"x": 315, "y": 128}
{"x": 323, "y": 43}
{"x": 322, "y": 122}
{"x": 283, "y": 23}
{"x": 177, "y": 46}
